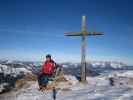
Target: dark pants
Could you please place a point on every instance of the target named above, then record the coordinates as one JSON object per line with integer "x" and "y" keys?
{"x": 43, "y": 79}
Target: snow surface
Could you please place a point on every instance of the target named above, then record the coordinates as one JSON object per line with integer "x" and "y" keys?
{"x": 127, "y": 74}
{"x": 97, "y": 88}
{"x": 2, "y": 86}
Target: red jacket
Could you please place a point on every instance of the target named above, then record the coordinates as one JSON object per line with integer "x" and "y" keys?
{"x": 48, "y": 67}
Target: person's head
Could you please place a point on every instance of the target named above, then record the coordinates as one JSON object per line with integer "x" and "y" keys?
{"x": 48, "y": 57}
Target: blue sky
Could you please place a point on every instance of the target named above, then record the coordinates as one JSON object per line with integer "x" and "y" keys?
{"x": 29, "y": 29}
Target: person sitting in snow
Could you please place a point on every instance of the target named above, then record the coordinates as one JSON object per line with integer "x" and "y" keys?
{"x": 48, "y": 70}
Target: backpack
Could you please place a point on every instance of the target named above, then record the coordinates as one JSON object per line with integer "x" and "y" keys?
{"x": 48, "y": 68}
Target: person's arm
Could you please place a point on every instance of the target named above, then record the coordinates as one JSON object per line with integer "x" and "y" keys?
{"x": 54, "y": 63}
{"x": 42, "y": 69}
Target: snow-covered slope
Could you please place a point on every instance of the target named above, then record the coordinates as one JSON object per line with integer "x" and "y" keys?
{"x": 9, "y": 73}
{"x": 97, "y": 88}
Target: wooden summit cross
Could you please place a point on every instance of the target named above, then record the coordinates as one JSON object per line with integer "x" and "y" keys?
{"x": 84, "y": 33}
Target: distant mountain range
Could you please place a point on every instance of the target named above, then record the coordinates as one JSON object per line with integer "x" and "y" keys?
{"x": 101, "y": 65}
{"x": 92, "y": 64}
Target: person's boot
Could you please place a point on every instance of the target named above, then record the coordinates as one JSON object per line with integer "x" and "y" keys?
{"x": 40, "y": 87}
{"x": 44, "y": 87}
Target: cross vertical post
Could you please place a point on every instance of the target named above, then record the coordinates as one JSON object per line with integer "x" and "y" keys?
{"x": 83, "y": 51}
{"x": 83, "y": 59}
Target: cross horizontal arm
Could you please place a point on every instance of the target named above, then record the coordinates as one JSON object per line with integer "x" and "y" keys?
{"x": 82, "y": 33}
{"x": 73, "y": 34}
{"x": 95, "y": 33}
